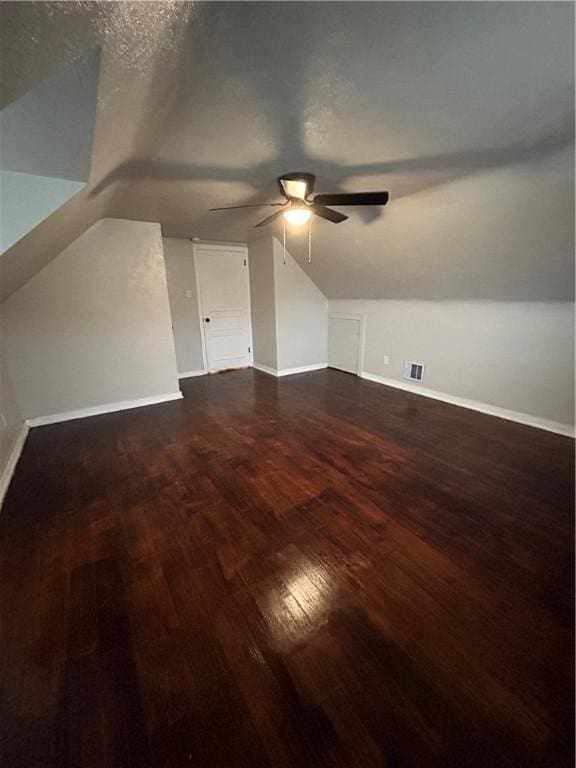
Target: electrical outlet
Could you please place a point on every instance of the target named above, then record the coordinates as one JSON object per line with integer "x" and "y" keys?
{"x": 386, "y": 360}
{"x": 2, "y": 420}
{"x": 188, "y": 293}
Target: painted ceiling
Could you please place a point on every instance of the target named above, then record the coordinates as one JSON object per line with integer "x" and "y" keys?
{"x": 463, "y": 111}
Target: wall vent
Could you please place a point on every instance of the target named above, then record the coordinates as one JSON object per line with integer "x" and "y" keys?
{"x": 413, "y": 371}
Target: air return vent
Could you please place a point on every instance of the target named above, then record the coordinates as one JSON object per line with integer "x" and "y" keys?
{"x": 413, "y": 371}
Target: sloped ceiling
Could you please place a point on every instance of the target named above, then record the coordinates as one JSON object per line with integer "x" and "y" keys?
{"x": 464, "y": 111}
{"x": 49, "y": 130}
{"x": 46, "y": 147}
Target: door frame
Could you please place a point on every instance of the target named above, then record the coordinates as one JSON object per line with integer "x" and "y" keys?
{"x": 361, "y": 338}
{"x": 240, "y": 248}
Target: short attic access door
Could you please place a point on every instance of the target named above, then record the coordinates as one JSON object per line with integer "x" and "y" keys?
{"x": 222, "y": 281}
{"x": 346, "y": 342}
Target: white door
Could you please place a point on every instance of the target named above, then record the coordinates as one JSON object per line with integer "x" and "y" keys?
{"x": 224, "y": 301}
{"x": 346, "y": 342}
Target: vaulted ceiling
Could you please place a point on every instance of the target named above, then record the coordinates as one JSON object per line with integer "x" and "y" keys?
{"x": 463, "y": 111}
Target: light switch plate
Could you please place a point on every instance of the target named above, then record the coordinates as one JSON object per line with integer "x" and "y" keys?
{"x": 188, "y": 293}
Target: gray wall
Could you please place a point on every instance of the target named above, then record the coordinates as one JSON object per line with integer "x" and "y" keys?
{"x": 10, "y": 416}
{"x": 513, "y": 355}
{"x": 179, "y": 257}
{"x": 262, "y": 300}
{"x": 301, "y": 315}
{"x": 93, "y": 327}
{"x": 289, "y": 313}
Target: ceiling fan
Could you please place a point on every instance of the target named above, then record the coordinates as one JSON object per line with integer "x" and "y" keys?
{"x": 298, "y": 206}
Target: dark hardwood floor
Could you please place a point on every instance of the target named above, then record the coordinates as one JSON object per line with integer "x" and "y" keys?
{"x": 313, "y": 571}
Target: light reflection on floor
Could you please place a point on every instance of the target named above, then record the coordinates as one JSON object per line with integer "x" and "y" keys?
{"x": 298, "y": 603}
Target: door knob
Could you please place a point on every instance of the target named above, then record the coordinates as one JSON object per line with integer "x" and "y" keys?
{"x": 206, "y": 319}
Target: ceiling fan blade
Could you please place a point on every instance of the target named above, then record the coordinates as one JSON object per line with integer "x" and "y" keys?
{"x": 269, "y": 219}
{"x": 327, "y": 213}
{"x": 256, "y": 205}
{"x": 353, "y": 198}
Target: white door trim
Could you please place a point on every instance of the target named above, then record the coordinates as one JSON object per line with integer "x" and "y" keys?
{"x": 200, "y": 312}
{"x": 361, "y": 340}
{"x": 236, "y": 248}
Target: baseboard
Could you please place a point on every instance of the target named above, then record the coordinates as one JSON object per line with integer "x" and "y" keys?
{"x": 97, "y": 410}
{"x": 290, "y": 371}
{"x": 12, "y": 459}
{"x": 475, "y": 405}
{"x": 190, "y": 374}
{"x": 265, "y": 369}
{"x": 302, "y": 369}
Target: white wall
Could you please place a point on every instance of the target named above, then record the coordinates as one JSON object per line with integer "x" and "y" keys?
{"x": 180, "y": 274}
{"x": 93, "y": 327}
{"x": 301, "y": 315}
{"x": 263, "y": 302}
{"x": 512, "y": 355}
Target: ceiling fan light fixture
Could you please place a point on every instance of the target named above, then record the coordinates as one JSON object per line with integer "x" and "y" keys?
{"x": 296, "y": 186}
{"x": 297, "y": 216}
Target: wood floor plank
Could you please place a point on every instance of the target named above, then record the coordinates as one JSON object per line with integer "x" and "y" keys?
{"x": 309, "y": 571}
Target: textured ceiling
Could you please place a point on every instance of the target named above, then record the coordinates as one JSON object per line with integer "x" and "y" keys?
{"x": 456, "y": 108}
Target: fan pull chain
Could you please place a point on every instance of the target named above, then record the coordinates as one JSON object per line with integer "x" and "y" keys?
{"x": 310, "y": 240}
{"x": 284, "y": 237}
